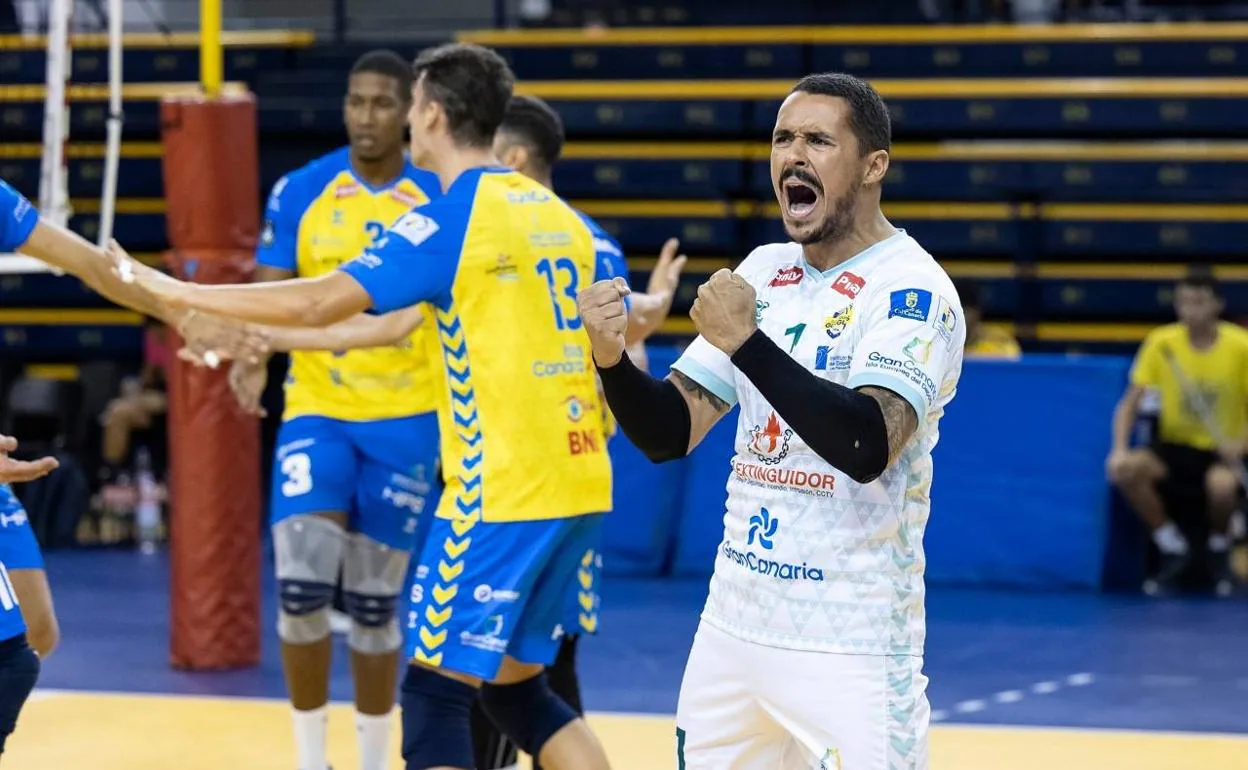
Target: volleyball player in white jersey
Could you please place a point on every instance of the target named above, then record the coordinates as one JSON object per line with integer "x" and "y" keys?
{"x": 843, "y": 349}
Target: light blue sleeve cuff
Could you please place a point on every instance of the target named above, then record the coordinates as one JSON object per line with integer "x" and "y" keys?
{"x": 895, "y": 384}
{"x": 707, "y": 379}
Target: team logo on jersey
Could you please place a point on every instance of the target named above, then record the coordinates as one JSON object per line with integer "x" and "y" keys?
{"x": 404, "y": 197}
{"x": 576, "y": 408}
{"x": 770, "y": 443}
{"x": 825, "y": 361}
{"x": 762, "y": 528}
{"x": 415, "y": 228}
{"x": 848, "y": 284}
{"x": 915, "y": 304}
{"x": 504, "y": 269}
{"x": 787, "y": 276}
{"x": 946, "y": 320}
{"x": 17, "y": 518}
{"x": 918, "y": 350}
{"x": 337, "y": 219}
{"x": 835, "y": 324}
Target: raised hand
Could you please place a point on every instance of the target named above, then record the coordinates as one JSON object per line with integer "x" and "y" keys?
{"x": 665, "y": 276}
{"x": 601, "y": 307}
{"x": 724, "y": 311}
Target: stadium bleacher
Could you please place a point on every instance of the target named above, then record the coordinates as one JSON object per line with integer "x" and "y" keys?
{"x": 1039, "y": 160}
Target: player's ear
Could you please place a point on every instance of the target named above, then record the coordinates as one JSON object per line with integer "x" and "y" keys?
{"x": 515, "y": 156}
{"x": 876, "y": 167}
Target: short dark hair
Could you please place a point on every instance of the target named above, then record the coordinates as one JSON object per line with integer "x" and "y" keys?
{"x": 1201, "y": 278}
{"x": 533, "y": 122}
{"x": 868, "y": 115}
{"x": 472, "y": 83}
{"x": 391, "y": 65}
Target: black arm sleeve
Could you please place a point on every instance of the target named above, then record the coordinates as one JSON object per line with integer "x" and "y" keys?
{"x": 841, "y": 425}
{"x": 651, "y": 412}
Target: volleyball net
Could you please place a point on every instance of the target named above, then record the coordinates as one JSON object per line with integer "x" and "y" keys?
{"x": 53, "y": 189}
{"x": 192, "y": 203}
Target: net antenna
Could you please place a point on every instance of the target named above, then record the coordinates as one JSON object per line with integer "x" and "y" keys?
{"x": 54, "y": 172}
{"x": 116, "y": 119}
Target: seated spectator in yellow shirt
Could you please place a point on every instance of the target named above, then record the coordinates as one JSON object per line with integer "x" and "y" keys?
{"x": 1194, "y": 374}
{"x": 983, "y": 341}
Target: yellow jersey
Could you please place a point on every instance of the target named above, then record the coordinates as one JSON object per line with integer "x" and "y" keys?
{"x": 1213, "y": 380}
{"x": 318, "y": 218}
{"x": 502, "y": 258}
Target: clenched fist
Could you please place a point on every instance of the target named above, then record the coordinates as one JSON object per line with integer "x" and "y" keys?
{"x": 724, "y": 311}
{"x": 602, "y": 310}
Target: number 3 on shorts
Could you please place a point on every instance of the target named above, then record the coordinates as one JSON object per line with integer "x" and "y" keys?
{"x": 298, "y": 470}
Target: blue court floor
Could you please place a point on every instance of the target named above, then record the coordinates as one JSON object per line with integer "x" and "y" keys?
{"x": 994, "y": 658}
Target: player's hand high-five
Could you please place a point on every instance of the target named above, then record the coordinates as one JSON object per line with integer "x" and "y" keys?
{"x": 14, "y": 471}
{"x": 605, "y": 316}
{"x": 207, "y": 338}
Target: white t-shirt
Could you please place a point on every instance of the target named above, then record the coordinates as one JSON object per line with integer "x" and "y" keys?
{"x": 811, "y": 560}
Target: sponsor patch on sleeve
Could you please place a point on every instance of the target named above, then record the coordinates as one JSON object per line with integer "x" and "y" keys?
{"x": 915, "y": 304}
{"x": 415, "y": 228}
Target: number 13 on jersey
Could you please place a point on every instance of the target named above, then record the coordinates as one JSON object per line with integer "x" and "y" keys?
{"x": 563, "y": 280}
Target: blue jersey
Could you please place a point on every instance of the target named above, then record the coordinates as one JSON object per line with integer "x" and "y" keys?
{"x": 610, "y": 254}
{"x": 18, "y": 550}
{"x": 17, "y": 219}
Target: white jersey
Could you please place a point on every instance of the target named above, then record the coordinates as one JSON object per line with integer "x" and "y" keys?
{"x": 811, "y": 560}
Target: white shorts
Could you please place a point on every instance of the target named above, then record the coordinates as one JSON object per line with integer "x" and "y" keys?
{"x": 745, "y": 706}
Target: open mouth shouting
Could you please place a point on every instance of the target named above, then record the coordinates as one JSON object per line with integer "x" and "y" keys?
{"x": 800, "y": 194}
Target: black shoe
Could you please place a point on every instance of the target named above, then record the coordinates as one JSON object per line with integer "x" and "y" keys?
{"x": 1224, "y": 579}
{"x": 1166, "y": 581}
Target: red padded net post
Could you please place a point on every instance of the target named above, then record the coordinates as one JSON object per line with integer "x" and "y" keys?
{"x": 212, "y": 188}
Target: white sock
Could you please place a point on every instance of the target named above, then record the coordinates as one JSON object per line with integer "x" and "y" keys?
{"x": 310, "y": 737}
{"x": 374, "y": 736}
{"x": 1218, "y": 543}
{"x": 1170, "y": 540}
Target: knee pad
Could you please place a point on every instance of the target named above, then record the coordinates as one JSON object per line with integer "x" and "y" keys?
{"x": 436, "y": 714}
{"x": 529, "y": 712}
{"x": 19, "y": 670}
{"x": 308, "y": 552}
{"x": 373, "y": 576}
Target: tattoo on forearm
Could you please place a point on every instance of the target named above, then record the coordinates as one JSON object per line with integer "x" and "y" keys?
{"x": 899, "y": 418}
{"x": 697, "y": 391}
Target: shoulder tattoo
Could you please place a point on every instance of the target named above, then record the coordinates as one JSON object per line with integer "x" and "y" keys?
{"x": 695, "y": 389}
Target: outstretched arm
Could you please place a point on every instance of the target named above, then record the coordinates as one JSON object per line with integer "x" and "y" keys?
{"x": 297, "y": 302}
{"x": 360, "y": 331}
{"x": 414, "y": 262}
{"x": 69, "y": 252}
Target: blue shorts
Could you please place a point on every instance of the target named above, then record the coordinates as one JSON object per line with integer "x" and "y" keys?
{"x": 382, "y": 474}
{"x": 584, "y": 599}
{"x": 482, "y": 590}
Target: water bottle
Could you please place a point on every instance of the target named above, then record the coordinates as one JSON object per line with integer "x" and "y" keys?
{"x": 1144, "y": 432}
{"x": 147, "y": 512}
